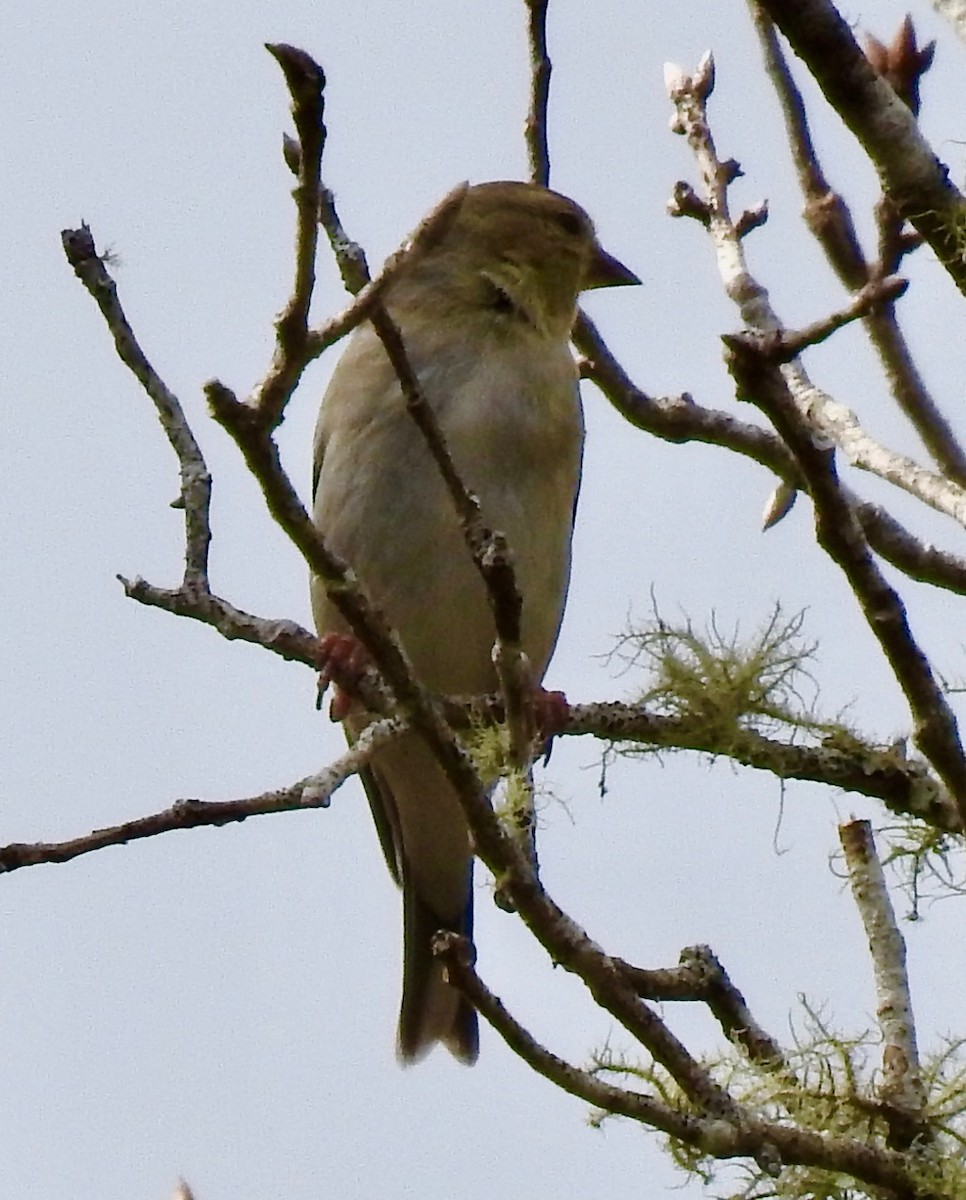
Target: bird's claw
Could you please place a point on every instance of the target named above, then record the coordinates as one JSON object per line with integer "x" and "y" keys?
{"x": 551, "y": 712}
{"x": 342, "y": 660}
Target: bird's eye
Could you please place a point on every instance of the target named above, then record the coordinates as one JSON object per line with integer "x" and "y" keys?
{"x": 497, "y": 297}
{"x": 569, "y": 222}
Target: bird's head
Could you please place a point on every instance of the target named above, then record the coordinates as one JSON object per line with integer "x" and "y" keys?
{"x": 523, "y": 250}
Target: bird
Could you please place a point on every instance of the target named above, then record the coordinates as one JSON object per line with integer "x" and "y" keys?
{"x": 485, "y": 314}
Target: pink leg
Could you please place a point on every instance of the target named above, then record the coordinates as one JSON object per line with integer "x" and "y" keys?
{"x": 342, "y": 661}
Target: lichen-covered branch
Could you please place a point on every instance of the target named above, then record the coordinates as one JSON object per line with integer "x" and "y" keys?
{"x": 771, "y": 1144}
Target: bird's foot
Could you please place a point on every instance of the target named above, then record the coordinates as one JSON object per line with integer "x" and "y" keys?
{"x": 342, "y": 661}
{"x": 551, "y": 713}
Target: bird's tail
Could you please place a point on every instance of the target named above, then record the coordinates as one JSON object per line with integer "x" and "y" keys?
{"x": 431, "y": 1010}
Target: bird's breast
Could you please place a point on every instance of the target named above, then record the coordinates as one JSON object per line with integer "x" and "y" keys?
{"x": 512, "y": 424}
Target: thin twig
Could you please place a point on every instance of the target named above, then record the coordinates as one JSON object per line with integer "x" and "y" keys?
{"x": 867, "y": 299}
{"x": 674, "y": 418}
{"x": 827, "y": 213}
{"x": 306, "y": 84}
{"x": 315, "y": 791}
{"x": 535, "y": 133}
{"x": 369, "y": 293}
{"x": 285, "y": 638}
{"x": 195, "y": 480}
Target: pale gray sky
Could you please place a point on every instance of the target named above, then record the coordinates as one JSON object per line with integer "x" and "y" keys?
{"x": 221, "y": 1004}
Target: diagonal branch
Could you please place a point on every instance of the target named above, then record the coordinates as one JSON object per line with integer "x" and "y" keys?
{"x": 195, "y": 481}
{"x": 899, "y": 786}
{"x": 488, "y": 548}
{"x": 759, "y": 379}
{"x": 829, "y": 218}
{"x": 912, "y": 176}
{"x": 315, "y": 791}
{"x": 701, "y": 977}
{"x": 771, "y": 1144}
{"x": 689, "y": 94}
{"x": 456, "y": 955}
{"x": 679, "y": 419}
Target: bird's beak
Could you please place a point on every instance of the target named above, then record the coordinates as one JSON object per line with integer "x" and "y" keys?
{"x": 604, "y": 270}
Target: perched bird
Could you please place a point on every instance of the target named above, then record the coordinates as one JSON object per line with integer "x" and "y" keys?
{"x": 486, "y": 314}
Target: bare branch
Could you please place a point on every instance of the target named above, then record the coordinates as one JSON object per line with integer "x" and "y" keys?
{"x": 315, "y": 791}
{"x": 351, "y": 260}
{"x": 689, "y": 95}
{"x": 535, "y": 134}
{"x": 679, "y": 419}
{"x": 830, "y": 220}
{"x": 285, "y": 638}
{"x": 912, "y": 175}
{"x": 195, "y": 481}
{"x": 349, "y": 255}
{"x": 457, "y": 955}
{"x": 770, "y": 1144}
{"x": 826, "y": 213}
{"x": 282, "y": 637}
{"x": 904, "y": 786}
{"x": 902, "y": 791}
{"x": 702, "y": 978}
{"x": 901, "y": 1088}
{"x": 893, "y": 542}
{"x": 674, "y": 418}
{"x": 306, "y": 84}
